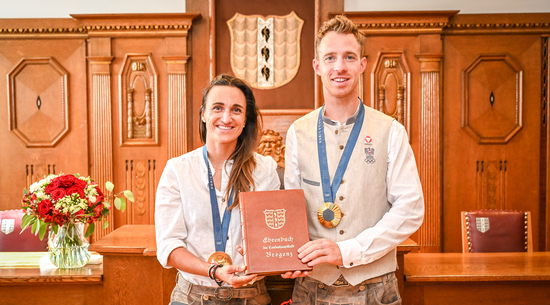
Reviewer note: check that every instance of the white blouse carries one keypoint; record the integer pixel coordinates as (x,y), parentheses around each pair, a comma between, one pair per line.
(183,214)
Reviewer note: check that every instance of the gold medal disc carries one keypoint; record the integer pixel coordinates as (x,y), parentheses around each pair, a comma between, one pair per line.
(220,258)
(329,214)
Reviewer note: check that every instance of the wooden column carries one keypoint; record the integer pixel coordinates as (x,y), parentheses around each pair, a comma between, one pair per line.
(177,103)
(431,145)
(101,131)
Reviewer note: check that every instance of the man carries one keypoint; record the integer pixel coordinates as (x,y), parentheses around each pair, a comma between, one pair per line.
(360,180)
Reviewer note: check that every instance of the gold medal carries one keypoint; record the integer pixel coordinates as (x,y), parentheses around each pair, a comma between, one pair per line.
(220,258)
(329,214)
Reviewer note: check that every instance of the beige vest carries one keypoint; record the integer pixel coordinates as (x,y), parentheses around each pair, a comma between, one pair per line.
(362,194)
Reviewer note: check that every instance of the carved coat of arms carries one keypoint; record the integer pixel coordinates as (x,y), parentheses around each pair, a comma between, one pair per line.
(265,51)
(275,219)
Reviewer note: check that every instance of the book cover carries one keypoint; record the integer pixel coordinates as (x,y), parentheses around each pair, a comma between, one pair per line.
(274,226)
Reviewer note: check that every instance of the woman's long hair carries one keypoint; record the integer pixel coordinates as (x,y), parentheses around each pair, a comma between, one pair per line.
(240,179)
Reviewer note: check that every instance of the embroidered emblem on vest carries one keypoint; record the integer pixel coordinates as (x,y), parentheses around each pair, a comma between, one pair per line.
(370,155)
(482,224)
(275,219)
(368,140)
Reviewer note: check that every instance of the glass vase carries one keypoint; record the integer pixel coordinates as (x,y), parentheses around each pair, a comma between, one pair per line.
(68,248)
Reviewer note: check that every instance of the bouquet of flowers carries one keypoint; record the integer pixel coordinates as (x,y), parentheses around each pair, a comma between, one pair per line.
(61,200)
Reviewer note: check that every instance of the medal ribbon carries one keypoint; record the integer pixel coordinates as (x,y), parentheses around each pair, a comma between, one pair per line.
(329,191)
(221,228)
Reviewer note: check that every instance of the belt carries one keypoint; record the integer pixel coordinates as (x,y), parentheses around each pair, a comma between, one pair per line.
(341,281)
(222,293)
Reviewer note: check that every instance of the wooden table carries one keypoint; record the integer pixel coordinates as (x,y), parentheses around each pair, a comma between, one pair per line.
(132,273)
(477,278)
(23,280)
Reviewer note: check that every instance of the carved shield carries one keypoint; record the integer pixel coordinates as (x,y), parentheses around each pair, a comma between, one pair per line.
(8,225)
(275,219)
(265,51)
(482,224)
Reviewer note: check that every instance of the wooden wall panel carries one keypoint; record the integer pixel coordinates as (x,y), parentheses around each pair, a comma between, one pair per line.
(67,148)
(502,174)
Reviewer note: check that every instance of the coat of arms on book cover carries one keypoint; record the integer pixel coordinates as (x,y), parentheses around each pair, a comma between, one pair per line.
(275,219)
(265,51)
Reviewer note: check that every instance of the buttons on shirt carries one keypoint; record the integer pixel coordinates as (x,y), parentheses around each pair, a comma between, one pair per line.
(336,131)
(341,147)
(223,199)
(341,198)
(351,264)
(341,232)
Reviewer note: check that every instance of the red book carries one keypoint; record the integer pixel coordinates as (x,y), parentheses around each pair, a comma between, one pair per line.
(274,226)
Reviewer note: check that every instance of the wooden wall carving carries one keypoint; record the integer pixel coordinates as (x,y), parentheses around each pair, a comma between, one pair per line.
(139,96)
(492,98)
(491,185)
(392,82)
(177,104)
(38,101)
(141,177)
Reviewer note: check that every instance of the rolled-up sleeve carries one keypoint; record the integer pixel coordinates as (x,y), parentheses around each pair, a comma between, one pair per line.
(169,221)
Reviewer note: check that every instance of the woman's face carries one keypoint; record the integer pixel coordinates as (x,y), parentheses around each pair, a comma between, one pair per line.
(224,114)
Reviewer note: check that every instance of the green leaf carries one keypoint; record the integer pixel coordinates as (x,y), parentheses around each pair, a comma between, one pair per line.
(25,191)
(76,175)
(26,221)
(118,203)
(109,186)
(122,204)
(34,227)
(90,230)
(55,228)
(129,195)
(105,224)
(43,228)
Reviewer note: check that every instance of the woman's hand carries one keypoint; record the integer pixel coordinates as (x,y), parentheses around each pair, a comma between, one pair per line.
(228,275)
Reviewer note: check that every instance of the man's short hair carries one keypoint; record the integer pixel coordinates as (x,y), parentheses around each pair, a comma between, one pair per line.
(339,24)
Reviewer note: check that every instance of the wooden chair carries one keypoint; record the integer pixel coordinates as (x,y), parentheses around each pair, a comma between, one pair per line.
(11,238)
(496,231)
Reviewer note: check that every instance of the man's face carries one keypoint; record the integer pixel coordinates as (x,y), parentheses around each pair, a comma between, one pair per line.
(339,63)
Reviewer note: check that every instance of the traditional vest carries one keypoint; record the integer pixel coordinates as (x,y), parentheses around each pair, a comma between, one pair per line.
(362,193)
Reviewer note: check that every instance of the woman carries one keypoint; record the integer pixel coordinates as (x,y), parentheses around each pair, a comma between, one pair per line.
(197,225)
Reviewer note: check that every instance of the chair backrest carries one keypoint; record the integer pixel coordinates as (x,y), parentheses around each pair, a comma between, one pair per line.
(496,231)
(11,238)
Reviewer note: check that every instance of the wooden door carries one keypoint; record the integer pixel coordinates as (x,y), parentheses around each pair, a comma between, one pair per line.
(491,128)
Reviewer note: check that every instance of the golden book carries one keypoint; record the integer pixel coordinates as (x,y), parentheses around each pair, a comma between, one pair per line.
(274,226)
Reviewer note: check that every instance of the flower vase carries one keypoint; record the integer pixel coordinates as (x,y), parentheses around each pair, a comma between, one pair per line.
(68,248)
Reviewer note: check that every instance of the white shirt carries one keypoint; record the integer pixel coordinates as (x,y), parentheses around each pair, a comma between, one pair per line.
(373,243)
(183,213)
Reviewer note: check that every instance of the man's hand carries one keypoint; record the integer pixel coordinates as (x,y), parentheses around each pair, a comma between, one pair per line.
(320,251)
(316,252)
(228,275)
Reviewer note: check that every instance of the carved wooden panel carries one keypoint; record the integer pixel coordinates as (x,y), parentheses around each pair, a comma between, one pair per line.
(138,100)
(141,178)
(492,99)
(38,101)
(35,172)
(491,181)
(391,80)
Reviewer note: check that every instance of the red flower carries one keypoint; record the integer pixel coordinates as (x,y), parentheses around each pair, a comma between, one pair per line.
(58,194)
(54,184)
(76,190)
(80,213)
(65,180)
(48,218)
(98,209)
(44,207)
(59,219)
(80,183)
(100,196)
